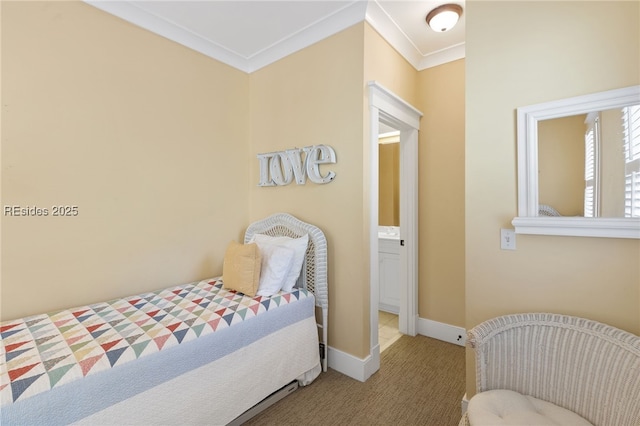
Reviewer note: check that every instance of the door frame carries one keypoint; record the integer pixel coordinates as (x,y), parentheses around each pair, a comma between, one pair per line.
(388,108)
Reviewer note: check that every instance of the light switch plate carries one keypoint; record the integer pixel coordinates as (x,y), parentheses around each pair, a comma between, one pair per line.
(507,239)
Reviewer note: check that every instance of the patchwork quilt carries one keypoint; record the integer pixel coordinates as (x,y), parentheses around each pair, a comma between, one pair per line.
(41,352)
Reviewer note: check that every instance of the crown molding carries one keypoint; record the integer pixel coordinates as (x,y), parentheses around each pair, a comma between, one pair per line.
(443,56)
(389,30)
(331,24)
(353,13)
(393,34)
(129,12)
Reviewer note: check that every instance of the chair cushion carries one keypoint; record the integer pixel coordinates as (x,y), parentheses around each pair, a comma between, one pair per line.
(506,407)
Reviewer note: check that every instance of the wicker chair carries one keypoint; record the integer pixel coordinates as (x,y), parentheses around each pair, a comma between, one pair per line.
(584,366)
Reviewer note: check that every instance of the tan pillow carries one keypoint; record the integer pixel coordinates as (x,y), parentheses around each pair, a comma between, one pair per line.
(241,268)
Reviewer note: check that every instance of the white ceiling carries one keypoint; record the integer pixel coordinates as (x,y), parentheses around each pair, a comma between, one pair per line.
(249,35)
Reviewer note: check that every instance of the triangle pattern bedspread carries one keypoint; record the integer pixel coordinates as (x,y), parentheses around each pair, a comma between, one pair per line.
(48,350)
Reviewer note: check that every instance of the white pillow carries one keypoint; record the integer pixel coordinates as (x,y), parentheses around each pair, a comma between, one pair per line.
(276,264)
(298,245)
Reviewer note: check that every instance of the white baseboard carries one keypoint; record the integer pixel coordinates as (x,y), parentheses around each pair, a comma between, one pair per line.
(362,369)
(356,368)
(464,404)
(442,331)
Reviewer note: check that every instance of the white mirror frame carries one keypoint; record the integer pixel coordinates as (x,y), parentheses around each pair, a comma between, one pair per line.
(528,221)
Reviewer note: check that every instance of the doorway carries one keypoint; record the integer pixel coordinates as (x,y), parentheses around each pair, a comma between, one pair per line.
(388,235)
(387,109)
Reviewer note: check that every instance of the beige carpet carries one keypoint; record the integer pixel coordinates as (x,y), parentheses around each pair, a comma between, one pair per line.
(420,382)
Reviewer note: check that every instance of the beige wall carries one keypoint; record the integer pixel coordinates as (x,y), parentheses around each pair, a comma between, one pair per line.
(441,97)
(159,153)
(561,164)
(137,142)
(314,97)
(517,54)
(439,94)
(389,184)
(319,95)
(386,66)
(149,139)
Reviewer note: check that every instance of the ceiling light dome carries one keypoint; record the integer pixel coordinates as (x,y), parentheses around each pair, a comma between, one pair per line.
(444,17)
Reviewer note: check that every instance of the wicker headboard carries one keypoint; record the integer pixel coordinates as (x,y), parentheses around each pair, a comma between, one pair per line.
(313,276)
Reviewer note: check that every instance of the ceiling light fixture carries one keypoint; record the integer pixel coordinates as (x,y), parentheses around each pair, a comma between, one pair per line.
(444,17)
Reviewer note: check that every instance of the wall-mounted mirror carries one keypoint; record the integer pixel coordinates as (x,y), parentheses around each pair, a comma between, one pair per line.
(388,176)
(579,166)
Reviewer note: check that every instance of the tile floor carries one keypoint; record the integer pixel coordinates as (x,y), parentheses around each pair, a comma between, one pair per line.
(387,329)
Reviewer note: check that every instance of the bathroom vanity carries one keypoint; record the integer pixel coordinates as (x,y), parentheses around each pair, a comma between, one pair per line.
(389,268)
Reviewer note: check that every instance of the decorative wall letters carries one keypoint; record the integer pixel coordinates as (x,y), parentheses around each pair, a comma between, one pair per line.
(280,168)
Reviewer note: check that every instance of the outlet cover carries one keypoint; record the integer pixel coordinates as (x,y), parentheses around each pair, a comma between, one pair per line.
(507,239)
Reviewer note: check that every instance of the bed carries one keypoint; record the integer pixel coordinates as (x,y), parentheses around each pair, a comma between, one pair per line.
(199,353)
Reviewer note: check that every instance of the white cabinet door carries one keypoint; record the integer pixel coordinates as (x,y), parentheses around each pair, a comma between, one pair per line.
(389,275)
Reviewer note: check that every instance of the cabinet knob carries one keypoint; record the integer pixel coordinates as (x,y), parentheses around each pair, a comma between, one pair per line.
(402,243)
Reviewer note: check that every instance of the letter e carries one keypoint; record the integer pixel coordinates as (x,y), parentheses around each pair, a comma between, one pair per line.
(320,154)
